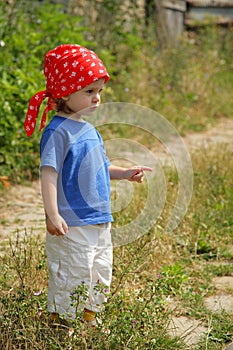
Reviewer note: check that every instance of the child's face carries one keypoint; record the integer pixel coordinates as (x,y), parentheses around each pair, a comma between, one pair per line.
(87,99)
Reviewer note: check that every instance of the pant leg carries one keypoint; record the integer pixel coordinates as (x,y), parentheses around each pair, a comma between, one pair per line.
(69,260)
(84,254)
(102,268)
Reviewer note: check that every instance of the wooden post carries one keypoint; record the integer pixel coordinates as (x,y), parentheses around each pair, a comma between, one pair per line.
(174,14)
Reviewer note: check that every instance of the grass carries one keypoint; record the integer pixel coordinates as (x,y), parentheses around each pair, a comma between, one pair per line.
(147,273)
(189,84)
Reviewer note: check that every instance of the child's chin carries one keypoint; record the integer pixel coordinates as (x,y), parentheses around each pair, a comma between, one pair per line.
(89,111)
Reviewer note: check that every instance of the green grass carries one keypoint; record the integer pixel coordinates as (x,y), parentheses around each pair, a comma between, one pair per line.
(159,266)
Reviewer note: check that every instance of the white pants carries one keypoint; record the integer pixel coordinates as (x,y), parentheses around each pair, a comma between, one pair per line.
(83,255)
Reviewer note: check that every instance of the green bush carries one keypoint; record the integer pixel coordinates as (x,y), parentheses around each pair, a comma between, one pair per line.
(189,84)
(28,31)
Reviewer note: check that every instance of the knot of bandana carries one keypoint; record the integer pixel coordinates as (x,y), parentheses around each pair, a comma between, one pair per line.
(67,69)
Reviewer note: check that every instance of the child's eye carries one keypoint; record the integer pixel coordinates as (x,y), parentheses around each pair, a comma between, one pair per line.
(91,91)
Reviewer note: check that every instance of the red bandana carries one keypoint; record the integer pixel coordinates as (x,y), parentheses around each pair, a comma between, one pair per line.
(67,69)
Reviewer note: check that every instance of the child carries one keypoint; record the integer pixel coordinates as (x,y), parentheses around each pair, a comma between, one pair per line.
(75,180)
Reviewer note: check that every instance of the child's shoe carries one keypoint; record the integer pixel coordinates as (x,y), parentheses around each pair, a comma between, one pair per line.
(89,318)
(55,321)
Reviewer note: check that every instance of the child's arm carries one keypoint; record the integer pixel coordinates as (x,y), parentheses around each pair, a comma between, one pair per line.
(132,174)
(56,225)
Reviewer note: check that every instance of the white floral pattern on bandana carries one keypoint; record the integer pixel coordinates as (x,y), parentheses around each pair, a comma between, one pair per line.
(67,69)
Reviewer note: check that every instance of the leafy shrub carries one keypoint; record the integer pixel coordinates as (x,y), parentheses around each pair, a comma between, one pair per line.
(189,84)
(28,31)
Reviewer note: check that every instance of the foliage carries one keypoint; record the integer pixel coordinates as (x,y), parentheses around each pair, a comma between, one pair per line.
(25,39)
(189,84)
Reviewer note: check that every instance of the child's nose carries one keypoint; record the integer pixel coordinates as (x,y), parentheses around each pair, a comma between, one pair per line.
(96,97)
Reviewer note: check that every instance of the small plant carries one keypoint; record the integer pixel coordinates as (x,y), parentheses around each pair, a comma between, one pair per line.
(79,297)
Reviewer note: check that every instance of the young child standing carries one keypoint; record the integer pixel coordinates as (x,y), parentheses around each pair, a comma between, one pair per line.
(75,180)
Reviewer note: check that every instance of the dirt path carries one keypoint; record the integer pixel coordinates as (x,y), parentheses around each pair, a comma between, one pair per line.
(21,208)
(221,133)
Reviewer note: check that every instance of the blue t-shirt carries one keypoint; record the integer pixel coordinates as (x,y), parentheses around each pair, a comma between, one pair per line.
(76,151)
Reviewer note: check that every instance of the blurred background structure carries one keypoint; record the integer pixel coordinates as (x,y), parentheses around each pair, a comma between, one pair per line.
(176,14)
(185,14)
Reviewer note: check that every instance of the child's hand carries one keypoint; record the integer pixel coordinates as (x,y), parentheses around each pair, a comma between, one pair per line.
(57,226)
(136,173)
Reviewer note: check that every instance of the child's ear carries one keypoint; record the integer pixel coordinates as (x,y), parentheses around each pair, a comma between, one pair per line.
(66,98)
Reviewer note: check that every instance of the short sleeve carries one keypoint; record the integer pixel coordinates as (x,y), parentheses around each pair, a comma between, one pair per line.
(52,149)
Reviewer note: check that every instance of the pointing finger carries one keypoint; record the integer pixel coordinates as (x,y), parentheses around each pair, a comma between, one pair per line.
(143,168)
(146,168)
